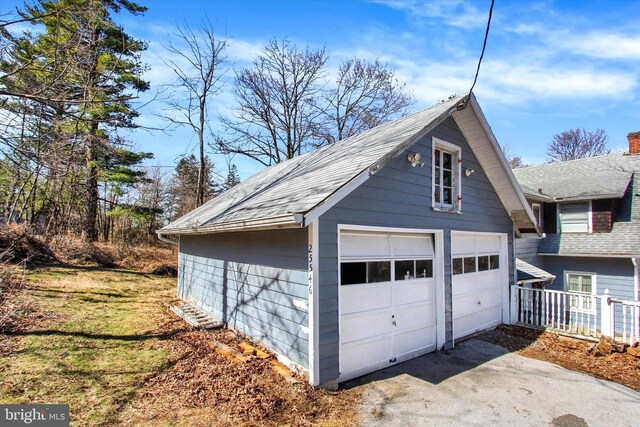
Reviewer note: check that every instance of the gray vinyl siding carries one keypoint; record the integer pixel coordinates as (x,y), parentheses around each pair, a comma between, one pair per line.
(400,196)
(527,250)
(251,280)
(615,274)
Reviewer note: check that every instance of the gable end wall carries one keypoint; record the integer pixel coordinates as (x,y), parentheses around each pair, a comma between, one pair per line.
(400,196)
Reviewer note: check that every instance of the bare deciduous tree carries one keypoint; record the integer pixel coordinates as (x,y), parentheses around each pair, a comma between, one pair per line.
(366,94)
(196,61)
(577,144)
(513,161)
(276,117)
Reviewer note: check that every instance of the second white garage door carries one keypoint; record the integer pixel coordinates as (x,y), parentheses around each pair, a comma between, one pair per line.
(479,266)
(387,300)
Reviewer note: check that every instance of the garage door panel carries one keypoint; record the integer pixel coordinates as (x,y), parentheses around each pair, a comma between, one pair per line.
(365,356)
(422,340)
(415,316)
(412,292)
(366,326)
(477,296)
(489,317)
(366,297)
(465,325)
(465,305)
(369,338)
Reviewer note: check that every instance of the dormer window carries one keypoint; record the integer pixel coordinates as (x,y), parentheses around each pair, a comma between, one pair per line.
(446,176)
(575,217)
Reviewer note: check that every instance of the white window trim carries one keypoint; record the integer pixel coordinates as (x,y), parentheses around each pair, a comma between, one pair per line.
(539,218)
(589,217)
(456,169)
(594,289)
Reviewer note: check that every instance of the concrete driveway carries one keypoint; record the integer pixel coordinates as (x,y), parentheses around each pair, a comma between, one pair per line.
(480,384)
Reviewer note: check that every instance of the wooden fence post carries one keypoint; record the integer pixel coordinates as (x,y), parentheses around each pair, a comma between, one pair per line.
(606,318)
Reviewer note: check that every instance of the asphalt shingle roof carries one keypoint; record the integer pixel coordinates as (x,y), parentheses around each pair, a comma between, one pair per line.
(584,179)
(607,176)
(528,272)
(300,184)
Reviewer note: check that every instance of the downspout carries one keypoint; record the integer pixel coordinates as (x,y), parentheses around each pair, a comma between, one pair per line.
(636,279)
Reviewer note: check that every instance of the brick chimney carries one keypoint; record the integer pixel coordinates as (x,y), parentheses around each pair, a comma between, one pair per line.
(634,142)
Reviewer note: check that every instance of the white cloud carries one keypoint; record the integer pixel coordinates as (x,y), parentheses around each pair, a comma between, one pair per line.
(602,45)
(455,13)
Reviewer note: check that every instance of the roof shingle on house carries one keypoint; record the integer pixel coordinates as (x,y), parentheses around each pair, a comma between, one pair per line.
(613,176)
(528,273)
(282,195)
(600,177)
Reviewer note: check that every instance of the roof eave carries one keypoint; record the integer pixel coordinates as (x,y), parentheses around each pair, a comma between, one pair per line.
(277,222)
(526,221)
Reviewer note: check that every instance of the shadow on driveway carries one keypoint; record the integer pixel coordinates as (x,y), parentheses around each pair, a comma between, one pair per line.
(479,383)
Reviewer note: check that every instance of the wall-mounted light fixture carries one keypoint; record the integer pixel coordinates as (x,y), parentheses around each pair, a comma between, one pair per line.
(468,171)
(415,159)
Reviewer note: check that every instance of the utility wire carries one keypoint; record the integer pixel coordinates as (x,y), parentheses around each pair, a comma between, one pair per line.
(484,46)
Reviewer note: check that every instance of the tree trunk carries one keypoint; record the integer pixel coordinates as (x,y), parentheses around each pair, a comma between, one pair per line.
(89,229)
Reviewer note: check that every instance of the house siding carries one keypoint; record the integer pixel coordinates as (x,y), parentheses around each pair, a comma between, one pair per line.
(255,281)
(615,274)
(527,250)
(399,195)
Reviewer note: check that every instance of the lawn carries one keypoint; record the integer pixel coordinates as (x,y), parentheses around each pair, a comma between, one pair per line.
(94,347)
(103,341)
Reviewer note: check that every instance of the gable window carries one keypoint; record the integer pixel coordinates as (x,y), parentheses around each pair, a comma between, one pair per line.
(446,176)
(575,217)
(583,285)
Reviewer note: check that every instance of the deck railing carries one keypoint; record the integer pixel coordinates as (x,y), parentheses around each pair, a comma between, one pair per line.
(575,313)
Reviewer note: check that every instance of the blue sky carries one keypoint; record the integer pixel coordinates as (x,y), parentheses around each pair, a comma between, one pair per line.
(549,66)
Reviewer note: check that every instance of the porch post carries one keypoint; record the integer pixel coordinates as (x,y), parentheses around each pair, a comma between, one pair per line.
(606,319)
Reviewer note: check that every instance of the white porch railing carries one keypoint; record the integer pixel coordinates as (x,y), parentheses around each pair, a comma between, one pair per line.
(576,313)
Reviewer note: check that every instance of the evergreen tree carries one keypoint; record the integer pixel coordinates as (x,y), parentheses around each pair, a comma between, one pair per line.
(85,68)
(232,178)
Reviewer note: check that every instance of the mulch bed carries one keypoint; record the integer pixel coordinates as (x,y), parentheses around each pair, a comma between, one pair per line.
(570,353)
(250,393)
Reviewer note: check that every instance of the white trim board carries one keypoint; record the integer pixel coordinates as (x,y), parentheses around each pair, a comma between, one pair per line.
(333,199)
(314,301)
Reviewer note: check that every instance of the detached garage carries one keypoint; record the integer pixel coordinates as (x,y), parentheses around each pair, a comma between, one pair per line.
(364,253)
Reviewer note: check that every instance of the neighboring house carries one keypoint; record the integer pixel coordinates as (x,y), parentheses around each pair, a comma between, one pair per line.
(589,211)
(366,252)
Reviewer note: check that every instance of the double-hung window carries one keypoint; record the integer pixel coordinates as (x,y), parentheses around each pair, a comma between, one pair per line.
(446,176)
(583,285)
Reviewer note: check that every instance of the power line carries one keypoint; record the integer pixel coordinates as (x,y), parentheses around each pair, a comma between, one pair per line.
(484,46)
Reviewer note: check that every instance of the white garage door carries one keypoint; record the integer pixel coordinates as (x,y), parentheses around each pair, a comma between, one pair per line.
(478,276)
(387,300)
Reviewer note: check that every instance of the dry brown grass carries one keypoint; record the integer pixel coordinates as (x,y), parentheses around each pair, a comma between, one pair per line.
(19,245)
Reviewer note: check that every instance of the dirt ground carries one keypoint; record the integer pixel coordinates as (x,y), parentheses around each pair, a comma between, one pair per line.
(569,353)
(205,388)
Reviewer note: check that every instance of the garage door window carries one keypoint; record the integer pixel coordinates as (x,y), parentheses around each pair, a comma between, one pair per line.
(465,265)
(413,269)
(355,273)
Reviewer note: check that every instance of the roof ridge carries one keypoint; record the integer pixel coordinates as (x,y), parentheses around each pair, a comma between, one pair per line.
(564,162)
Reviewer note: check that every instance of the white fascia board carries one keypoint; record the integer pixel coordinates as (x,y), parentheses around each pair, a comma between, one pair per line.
(276,222)
(497,151)
(334,198)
